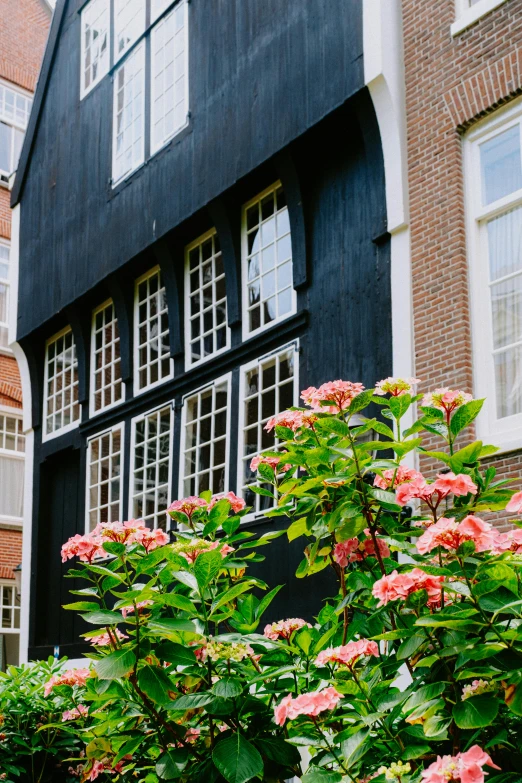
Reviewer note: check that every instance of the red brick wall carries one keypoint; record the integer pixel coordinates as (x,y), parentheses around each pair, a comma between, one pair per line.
(10,552)
(450,83)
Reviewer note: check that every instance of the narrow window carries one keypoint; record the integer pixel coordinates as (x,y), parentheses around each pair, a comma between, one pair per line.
(151,450)
(157,7)
(205,442)
(129,23)
(95,43)
(9,607)
(169,76)
(129,116)
(206,332)
(152,345)
(106,384)
(12,448)
(104,477)
(62,409)
(15,107)
(4,294)
(268,386)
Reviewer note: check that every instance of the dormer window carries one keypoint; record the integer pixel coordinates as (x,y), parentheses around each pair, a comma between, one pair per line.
(129,22)
(129,117)
(95,43)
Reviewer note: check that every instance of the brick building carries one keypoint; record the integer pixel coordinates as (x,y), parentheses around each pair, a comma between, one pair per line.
(23,33)
(463,82)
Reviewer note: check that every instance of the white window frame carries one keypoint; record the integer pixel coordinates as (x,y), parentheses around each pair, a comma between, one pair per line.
(189,364)
(136,326)
(227,378)
(73,424)
(244,269)
(121,428)
(13,123)
(102,71)
(14,413)
(104,408)
(506,432)
(134,422)
(154,148)
(6,282)
(118,55)
(14,629)
(466,14)
(137,51)
(243,370)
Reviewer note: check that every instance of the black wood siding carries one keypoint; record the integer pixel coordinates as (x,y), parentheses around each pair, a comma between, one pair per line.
(262,72)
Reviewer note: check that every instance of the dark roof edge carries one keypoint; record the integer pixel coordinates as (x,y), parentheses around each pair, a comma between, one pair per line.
(39,97)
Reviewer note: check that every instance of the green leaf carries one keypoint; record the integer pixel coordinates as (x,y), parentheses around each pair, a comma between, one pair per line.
(171,765)
(320,775)
(178,602)
(297,528)
(177,654)
(410,646)
(355,747)
(333,424)
(114,547)
(169,627)
(399,405)
(103,618)
(192,701)
(476,712)
(207,567)
(237,759)
(361,401)
(422,695)
(83,606)
(219,512)
(231,594)
(156,684)
(464,415)
(466,456)
(115,665)
(187,579)
(279,750)
(227,688)
(106,572)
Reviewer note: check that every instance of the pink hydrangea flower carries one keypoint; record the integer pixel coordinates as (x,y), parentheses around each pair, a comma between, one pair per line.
(515,504)
(394,586)
(70,677)
(508,542)
(402,475)
(353,550)
(187,505)
(347,654)
(338,393)
(293,420)
(466,767)
(191,550)
(284,629)
(396,386)
(87,548)
(306,704)
(477,687)
(449,535)
(432,494)
(446,399)
(126,610)
(236,504)
(119,532)
(99,767)
(106,639)
(272,462)
(78,712)
(151,539)
(459,485)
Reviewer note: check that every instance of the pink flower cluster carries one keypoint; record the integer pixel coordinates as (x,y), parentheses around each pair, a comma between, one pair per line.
(395,585)
(272,462)
(105,639)
(515,504)
(90,546)
(126,610)
(99,767)
(477,687)
(347,654)
(78,712)
(191,550)
(236,504)
(284,629)
(70,677)
(432,494)
(396,386)
(508,542)
(190,505)
(338,393)
(293,420)
(396,477)
(306,704)
(353,550)
(446,399)
(466,767)
(449,535)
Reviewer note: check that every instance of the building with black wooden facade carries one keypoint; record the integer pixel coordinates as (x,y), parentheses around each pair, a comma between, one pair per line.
(202,230)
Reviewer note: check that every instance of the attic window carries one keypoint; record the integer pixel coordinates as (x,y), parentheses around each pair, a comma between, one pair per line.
(95,43)
(129,21)
(15,107)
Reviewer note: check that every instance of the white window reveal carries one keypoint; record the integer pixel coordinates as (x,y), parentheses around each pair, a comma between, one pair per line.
(268,386)
(4,294)
(152,344)
(205,439)
(169,76)
(494,205)
(106,385)
(12,448)
(470,11)
(129,115)
(206,330)
(15,107)
(95,43)
(268,294)
(9,607)
(129,23)
(61,406)
(151,468)
(104,477)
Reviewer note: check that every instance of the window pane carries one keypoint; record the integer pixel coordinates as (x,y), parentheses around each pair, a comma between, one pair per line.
(205,413)
(62,383)
(129,117)
(169,76)
(267,260)
(11,487)
(105,360)
(104,477)
(129,20)
(501,165)
(506,301)
(95,42)
(152,331)
(505,244)
(150,497)
(508,380)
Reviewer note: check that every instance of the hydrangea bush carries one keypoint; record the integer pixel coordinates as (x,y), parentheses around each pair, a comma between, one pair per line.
(412,672)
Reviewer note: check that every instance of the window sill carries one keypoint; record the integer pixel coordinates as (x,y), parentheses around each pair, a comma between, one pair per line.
(6,351)
(473,14)
(11,524)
